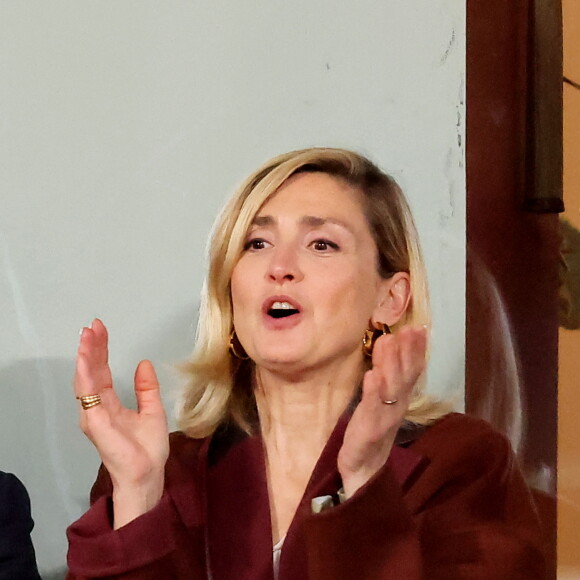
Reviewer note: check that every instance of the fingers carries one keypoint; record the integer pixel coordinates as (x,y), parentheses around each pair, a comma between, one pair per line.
(85,384)
(372,420)
(398,361)
(84,380)
(147,389)
(101,343)
(413,351)
(388,369)
(93,347)
(93,375)
(371,387)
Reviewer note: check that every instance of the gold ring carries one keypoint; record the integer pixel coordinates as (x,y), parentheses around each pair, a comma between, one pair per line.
(389,401)
(88,401)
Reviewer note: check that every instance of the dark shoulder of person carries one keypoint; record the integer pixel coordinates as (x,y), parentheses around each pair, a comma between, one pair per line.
(17,558)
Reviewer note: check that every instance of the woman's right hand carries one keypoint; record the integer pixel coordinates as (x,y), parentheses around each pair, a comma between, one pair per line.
(133,445)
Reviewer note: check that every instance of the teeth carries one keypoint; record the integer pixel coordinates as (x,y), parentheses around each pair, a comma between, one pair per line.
(282,306)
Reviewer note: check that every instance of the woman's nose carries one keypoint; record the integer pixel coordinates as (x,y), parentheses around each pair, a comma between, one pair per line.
(284,266)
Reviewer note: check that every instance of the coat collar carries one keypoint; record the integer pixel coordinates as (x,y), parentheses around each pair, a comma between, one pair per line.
(239,533)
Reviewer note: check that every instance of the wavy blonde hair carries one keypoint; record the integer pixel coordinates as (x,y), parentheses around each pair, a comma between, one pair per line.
(220,387)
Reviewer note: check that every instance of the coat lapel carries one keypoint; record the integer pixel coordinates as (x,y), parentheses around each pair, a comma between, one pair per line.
(325,480)
(238,509)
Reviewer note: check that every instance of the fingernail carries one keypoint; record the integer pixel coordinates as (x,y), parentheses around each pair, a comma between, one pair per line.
(81,331)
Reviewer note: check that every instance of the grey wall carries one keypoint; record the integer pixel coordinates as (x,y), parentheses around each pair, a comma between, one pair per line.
(123,127)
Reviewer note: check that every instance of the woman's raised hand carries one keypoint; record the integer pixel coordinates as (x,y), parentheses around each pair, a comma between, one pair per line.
(398,362)
(133,445)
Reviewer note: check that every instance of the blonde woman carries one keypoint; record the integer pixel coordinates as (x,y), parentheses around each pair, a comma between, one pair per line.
(307,449)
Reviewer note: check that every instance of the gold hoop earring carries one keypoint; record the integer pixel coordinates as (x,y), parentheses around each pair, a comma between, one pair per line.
(370,337)
(236,348)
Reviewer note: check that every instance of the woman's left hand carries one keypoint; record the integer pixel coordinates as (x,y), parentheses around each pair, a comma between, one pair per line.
(398,362)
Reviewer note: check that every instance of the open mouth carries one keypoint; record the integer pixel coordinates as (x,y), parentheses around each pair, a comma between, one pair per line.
(282,310)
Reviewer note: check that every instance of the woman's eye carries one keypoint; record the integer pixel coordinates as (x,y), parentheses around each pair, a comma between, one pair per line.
(255,244)
(324,245)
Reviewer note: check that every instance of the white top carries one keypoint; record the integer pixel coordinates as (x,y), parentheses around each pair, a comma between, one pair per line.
(276,553)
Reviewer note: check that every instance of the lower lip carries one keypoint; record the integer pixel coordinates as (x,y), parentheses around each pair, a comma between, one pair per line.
(282,323)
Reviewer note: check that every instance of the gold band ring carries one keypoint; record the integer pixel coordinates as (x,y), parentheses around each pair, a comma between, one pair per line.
(389,401)
(88,401)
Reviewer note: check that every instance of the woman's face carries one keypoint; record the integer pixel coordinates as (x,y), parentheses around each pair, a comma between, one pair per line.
(307,284)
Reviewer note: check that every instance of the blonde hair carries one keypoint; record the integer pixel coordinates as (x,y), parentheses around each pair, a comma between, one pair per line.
(220,387)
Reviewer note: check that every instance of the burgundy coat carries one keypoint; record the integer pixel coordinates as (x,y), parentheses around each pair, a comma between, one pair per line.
(449,504)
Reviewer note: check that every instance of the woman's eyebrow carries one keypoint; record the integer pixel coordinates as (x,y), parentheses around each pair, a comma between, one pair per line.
(263,220)
(315,221)
(308,220)
(311,220)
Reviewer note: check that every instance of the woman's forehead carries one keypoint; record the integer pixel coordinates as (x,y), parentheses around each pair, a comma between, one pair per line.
(316,198)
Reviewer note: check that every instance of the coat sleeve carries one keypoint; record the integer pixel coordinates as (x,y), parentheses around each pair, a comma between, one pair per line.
(468,516)
(17,558)
(158,544)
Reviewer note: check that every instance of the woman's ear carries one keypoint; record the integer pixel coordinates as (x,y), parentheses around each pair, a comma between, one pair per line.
(394,299)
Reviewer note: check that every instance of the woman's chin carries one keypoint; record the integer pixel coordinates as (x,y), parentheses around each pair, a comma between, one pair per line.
(281,359)
(295,359)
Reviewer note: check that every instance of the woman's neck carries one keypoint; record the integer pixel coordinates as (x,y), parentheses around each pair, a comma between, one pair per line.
(298,414)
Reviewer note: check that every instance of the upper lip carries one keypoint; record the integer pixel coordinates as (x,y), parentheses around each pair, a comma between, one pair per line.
(267,304)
